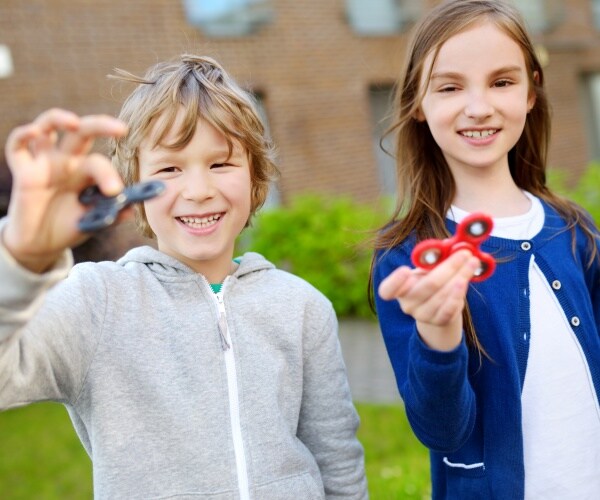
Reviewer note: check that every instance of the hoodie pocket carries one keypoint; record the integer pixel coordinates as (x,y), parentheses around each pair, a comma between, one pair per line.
(303,486)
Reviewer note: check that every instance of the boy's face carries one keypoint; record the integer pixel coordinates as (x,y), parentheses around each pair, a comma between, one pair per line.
(206,203)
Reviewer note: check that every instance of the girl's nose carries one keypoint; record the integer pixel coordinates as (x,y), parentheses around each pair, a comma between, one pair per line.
(478,105)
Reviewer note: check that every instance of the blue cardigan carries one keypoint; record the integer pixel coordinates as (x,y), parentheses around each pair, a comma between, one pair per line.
(467,409)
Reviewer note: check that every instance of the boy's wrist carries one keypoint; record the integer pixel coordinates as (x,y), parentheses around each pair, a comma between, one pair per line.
(36,263)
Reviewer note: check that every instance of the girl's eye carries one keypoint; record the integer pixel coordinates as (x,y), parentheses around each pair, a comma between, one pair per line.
(448,88)
(220,165)
(502,83)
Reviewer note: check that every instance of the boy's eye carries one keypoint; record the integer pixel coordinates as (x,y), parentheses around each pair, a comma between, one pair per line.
(168,170)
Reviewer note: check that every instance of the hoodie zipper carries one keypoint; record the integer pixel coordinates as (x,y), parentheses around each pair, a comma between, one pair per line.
(234,402)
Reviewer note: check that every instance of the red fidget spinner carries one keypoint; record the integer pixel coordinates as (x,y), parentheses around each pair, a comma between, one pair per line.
(470,233)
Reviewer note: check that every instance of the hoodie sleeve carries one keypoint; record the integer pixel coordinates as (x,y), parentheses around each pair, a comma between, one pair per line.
(44,321)
(437,395)
(328,419)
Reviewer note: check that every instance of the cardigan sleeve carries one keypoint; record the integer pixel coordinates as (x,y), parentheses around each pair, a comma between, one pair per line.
(438,398)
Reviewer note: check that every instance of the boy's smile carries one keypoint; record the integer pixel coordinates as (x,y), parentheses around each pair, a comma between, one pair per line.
(477,99)
(207,200)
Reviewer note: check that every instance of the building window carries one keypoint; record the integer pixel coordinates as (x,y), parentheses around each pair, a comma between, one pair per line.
(382,17)
(274,196)
(592,105)
(228,18)
(596,13)
(6,62)
(380,99)
(542,15)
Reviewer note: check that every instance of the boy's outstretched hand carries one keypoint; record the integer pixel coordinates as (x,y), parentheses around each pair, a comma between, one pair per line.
(51,163)
(435,298)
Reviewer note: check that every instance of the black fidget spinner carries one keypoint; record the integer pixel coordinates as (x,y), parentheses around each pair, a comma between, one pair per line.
(105,209)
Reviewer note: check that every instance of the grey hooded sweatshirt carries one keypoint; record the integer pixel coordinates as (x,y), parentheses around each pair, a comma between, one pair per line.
(176,392)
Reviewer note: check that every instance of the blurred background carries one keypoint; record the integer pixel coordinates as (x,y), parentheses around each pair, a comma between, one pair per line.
(322,72)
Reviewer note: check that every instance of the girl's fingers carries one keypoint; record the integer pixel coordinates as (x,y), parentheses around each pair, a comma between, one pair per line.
(446,304)
(395,284)
(435,296)
(461,264)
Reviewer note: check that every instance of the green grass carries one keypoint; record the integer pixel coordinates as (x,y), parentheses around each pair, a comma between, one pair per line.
(397,464)
(41,457)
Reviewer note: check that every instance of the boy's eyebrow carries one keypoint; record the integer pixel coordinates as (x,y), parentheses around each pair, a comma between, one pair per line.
(162,152)
(455,75)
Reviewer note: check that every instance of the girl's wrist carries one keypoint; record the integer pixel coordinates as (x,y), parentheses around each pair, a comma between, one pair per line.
(444,338)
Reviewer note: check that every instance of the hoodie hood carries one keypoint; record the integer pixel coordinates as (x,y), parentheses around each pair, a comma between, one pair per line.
(163,264)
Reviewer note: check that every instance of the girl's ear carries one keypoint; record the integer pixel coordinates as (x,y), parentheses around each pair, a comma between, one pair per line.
(532,96)
(419,115)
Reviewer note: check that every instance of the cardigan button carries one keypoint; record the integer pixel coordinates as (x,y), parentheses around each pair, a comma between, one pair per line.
(556,284)
(575,321)
(526,246)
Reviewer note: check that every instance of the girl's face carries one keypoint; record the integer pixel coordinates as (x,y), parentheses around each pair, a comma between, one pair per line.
(477,99)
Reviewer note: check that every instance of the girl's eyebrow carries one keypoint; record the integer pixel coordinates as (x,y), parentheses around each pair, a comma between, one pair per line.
(454,75)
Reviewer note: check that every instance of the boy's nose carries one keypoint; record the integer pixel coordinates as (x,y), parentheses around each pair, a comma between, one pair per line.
(197,185)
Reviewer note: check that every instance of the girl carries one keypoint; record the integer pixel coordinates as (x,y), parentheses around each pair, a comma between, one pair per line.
(500,378)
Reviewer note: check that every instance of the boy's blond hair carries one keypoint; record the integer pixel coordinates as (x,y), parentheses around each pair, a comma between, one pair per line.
(202,88)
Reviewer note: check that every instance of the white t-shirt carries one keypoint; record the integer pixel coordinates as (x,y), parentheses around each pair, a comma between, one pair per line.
(560,412)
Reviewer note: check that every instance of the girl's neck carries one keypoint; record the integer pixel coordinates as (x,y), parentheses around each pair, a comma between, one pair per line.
(496,197)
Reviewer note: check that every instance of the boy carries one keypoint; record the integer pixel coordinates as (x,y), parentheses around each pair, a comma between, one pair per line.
(186,374)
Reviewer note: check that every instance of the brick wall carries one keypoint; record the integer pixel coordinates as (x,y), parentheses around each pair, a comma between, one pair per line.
(313,71)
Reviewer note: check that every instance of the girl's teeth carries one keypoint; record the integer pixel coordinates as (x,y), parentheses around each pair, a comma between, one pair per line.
(478,134)
(198,222)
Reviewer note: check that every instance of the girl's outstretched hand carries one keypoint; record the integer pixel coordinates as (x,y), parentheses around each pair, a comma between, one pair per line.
(435,299)
(51,163)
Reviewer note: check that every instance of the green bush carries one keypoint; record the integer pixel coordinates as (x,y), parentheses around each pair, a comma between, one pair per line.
(323,239)
(585,192)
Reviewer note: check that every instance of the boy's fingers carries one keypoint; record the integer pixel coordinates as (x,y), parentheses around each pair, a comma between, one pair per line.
(56,119)
(17,143)
(99,168)
(80,142)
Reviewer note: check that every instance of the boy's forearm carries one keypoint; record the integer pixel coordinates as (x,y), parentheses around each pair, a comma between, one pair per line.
(21,288)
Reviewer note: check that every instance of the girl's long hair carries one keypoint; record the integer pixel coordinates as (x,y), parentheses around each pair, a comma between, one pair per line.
(426,187)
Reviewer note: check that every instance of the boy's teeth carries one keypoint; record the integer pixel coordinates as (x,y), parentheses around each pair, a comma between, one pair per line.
(200,221)
(478,134)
